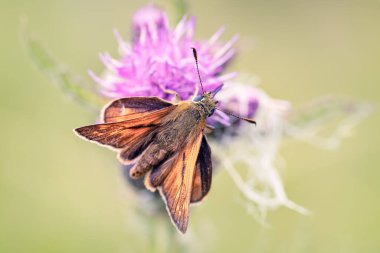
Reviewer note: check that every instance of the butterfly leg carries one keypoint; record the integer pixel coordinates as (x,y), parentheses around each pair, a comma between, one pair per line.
(209,129)
(176,98)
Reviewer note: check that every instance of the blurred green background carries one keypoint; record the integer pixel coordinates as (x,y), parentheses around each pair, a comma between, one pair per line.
(60,194)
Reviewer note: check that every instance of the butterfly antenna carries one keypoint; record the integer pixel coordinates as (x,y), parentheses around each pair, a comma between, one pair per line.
(196,63)
(236,116)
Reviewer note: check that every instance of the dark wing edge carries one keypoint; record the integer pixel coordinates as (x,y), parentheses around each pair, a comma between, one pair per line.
(203,173)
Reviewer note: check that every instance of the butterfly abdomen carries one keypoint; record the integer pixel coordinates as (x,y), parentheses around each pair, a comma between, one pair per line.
(150,158)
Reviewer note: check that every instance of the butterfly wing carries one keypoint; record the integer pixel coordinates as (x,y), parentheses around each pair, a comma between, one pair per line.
(174,179)
(129,126)
(131,108)
(203,173)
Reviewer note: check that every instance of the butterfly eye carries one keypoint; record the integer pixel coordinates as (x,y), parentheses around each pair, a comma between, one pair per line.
(197,98)
(216,102)
(212,112)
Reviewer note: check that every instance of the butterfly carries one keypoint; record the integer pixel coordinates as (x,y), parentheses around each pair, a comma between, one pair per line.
(166,144)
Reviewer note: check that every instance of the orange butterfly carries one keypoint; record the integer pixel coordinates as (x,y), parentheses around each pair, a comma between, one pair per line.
(166,143)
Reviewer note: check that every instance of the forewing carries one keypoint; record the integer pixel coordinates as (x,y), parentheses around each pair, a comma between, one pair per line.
(177,185)
(203,173)
(132,107)
(131,136)
(115,135)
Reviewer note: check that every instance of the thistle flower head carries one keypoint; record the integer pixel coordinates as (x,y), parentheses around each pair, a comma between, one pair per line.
(159,60)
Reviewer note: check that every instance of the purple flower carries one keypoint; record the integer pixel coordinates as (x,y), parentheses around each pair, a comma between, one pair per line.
(160,60)
(240,98)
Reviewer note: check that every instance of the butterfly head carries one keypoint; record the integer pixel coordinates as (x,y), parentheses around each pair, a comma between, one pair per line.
(207,102)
